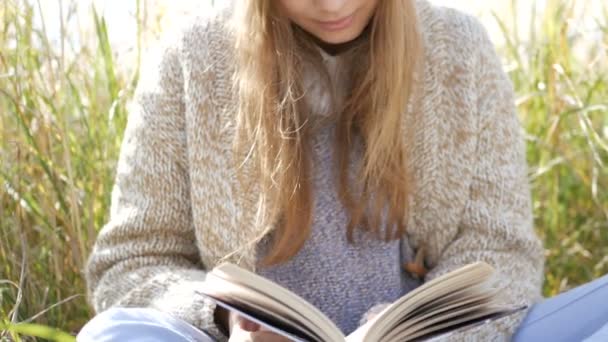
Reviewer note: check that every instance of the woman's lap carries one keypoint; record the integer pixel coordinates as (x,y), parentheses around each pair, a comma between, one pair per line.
(580,314)
(139,325)
(576,315)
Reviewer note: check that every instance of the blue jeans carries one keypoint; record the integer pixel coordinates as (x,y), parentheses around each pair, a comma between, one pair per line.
(139,325)
(580,314)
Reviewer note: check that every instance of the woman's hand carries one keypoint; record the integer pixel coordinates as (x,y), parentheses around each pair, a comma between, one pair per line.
(243,330)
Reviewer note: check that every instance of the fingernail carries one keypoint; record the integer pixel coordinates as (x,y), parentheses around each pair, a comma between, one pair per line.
(248,326)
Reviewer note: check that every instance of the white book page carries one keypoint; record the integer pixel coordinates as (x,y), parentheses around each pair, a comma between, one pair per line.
(247,301)
(465,277)
(259,284)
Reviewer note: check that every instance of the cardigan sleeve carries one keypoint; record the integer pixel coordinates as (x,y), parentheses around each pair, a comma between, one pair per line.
(146,255)
(496,225)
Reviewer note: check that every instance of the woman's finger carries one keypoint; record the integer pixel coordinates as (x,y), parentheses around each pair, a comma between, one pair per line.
(243,322)
(248,325)
(267,336)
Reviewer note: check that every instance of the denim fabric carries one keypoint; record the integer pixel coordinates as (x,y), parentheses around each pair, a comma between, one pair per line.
(577,315)
(139,325)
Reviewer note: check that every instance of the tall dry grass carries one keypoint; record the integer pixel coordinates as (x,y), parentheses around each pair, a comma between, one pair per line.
(560,72)
(63,114)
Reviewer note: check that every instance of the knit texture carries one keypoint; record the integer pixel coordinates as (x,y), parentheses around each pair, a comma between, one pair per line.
(342,280)
(322,271)
(178,209)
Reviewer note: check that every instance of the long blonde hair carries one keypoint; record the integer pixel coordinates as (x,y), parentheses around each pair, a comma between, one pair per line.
(273,131)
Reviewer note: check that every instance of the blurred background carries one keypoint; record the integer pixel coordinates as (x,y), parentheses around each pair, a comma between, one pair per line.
(68,68)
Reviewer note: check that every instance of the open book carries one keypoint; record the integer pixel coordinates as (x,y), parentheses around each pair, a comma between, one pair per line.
(456,300)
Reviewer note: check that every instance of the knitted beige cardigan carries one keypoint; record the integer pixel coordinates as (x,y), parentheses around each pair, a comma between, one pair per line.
(177,208)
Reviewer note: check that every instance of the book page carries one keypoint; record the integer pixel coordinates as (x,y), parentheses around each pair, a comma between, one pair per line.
(276,298)
(446,311)
(246,301)
(449,314)
(460,327)
(476,318)
(451,298)
(459,279)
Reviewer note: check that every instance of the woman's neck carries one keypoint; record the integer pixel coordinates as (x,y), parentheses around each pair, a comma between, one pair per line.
(337,49)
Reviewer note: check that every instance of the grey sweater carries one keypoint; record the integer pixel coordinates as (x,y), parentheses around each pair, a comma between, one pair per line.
(343,280)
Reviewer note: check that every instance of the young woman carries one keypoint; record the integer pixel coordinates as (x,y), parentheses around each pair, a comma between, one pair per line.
(344,149)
